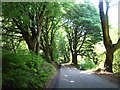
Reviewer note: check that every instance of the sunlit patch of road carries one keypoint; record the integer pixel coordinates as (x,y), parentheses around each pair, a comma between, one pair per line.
(71,77)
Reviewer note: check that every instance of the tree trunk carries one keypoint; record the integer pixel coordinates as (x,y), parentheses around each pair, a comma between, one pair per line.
(31,46)
(65,61)
(75,47)
(109,61)
(110,48)
(74,58)
(37,48)
(31,42)
(29,39)
(51,54)
(47,55)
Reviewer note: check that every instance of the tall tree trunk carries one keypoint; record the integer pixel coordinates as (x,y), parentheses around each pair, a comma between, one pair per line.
(106,38)
(110,48)
(75,47)
(39,17)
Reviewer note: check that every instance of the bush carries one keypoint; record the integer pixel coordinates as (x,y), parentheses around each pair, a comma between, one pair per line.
(88,64)
(25,70)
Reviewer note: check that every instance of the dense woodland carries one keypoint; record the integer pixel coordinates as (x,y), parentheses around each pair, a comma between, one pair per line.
(37,36)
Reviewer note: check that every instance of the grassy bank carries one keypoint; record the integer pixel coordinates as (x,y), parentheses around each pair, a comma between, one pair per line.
(25,70)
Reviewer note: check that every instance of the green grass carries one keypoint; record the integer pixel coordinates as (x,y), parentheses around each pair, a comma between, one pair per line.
(25,70)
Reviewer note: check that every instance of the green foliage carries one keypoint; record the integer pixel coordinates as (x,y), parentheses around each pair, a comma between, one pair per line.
(83,29)
(25,70)
(88,64)
(62,52)
(116,62)
(85,18)
(101,60)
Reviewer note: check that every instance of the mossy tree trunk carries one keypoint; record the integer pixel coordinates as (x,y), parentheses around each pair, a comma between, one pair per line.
(110,48)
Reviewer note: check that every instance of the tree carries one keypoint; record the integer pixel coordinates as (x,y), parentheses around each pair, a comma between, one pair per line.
(62,46)
(110,47)
(35,22)
(82,27)
(49,28)
(11,41)
(27,17)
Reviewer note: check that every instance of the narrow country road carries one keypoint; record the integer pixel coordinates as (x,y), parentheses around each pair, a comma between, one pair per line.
(71,77)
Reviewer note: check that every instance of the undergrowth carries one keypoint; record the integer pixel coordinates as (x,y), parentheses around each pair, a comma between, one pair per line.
(88,64)
(25,70)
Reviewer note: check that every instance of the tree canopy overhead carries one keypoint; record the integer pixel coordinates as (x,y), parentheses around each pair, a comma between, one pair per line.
(27,17)
(83,29)
(54,29)
(38,36)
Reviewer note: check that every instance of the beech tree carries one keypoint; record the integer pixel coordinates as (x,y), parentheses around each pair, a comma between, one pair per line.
(110,47)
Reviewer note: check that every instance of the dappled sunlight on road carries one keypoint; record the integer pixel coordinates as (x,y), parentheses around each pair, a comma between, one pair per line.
(71,77)
(66,75)
(87,72)
(69,81)
(72,81)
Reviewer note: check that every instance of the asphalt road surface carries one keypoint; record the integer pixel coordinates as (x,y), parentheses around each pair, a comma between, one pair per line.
(71,77)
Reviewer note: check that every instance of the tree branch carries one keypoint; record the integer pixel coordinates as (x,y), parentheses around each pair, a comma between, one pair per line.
(117,45)
(24,32)
(104,23)
(82,42)
(5,34)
